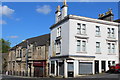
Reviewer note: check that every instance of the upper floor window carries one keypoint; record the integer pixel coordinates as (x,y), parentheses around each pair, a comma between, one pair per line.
(111,32)
(20,53)
(58,31)
(81,46)
(111,47)
(17,53)
(97,47)
(81,28)
(58,47)
(39,50)
(78,45)
(97,30)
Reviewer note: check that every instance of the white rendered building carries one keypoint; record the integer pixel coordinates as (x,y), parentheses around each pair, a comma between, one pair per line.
(81,45)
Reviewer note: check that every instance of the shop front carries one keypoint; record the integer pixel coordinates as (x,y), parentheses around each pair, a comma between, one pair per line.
(39,68)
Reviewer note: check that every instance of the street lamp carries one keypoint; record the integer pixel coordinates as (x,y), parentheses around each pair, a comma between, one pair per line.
(26,57)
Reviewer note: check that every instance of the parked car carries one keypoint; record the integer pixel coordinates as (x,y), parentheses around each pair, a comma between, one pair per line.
(115,68)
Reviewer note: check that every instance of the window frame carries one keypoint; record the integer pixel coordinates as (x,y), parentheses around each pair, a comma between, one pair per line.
(98,50)
(79,46)
(98,30)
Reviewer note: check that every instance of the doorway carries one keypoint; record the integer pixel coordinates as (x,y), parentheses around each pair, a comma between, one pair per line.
(96,66)
(61,68)
(103,66)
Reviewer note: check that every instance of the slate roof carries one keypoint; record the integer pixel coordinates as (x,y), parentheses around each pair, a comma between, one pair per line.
(38,41)
(118,20)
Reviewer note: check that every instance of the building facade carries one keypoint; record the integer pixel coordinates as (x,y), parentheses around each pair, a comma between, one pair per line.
(30,57)
(81,45)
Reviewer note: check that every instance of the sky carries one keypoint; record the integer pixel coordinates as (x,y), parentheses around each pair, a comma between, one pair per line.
(22,20)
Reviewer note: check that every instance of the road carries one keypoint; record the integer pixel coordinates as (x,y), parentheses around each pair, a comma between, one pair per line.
(104,76)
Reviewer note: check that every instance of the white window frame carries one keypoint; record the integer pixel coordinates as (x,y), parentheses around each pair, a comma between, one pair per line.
(78,28)
(109,47)
(84,46)
(109,32)
(78,45)
(113,48)
(98,50)
(112,32)
(81,29)
(98,30)
(58,47)
(59,32)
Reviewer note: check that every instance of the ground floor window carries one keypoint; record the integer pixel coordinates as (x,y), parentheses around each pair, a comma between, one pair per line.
(52,67)
(85,68)
(70,69)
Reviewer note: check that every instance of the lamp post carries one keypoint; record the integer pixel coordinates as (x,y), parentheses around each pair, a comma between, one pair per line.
(27,60)
(26,57)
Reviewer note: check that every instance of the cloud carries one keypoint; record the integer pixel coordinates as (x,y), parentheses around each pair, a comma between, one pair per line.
(12,36)
(17,19)
(6,11)
(3,22)
(45,9)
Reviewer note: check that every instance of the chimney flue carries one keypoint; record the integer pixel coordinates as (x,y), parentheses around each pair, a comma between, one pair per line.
(107,16)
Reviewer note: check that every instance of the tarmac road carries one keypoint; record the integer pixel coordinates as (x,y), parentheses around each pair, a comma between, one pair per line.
(103,76)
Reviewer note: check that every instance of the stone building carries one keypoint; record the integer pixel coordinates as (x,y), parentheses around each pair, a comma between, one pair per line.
(30,57)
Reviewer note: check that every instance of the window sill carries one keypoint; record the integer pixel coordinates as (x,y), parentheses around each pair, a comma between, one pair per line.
(57,53)
(111,40)
(98,53)
(82,34)
(82,52)
(29,56)
(97,35)
(111,37)
(111,54)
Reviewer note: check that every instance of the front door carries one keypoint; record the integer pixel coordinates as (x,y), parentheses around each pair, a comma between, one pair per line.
(61,68)
(70,69)
(36,71)
(103,66)
(96,66)
(39,71)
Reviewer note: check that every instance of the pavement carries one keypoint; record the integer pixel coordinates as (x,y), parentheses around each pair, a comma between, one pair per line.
(102,76)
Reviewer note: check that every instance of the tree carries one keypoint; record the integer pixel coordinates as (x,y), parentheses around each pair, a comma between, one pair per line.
(4,46)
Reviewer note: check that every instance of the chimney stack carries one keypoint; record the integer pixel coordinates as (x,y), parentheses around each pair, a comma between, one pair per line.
(108,16)
(58,13)
(64,9)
